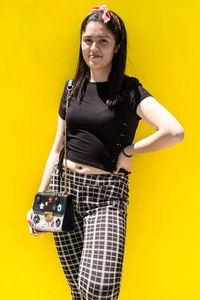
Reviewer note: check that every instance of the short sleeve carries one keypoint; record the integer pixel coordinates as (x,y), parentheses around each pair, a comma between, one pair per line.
(140,94)
(62,107)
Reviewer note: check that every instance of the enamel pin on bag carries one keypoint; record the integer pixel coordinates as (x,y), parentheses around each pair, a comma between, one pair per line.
(54,211)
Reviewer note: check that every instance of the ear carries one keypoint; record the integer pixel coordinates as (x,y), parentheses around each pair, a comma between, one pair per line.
(116,48)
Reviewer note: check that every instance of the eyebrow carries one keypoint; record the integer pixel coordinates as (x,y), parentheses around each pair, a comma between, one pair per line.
(99,36)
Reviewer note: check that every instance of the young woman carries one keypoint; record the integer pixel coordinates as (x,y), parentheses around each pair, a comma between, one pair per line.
(103,115)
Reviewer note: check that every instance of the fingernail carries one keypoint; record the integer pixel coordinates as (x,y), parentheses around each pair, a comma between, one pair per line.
(35,232)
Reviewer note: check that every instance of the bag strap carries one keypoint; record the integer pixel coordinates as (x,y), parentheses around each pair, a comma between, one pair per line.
(69,91)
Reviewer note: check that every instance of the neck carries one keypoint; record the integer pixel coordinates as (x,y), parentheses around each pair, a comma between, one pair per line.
(100,76)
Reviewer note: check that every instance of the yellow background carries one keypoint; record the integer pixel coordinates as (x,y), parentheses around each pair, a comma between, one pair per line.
(39,50)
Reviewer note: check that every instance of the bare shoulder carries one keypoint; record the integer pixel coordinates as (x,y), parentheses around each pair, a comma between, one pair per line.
(157,116)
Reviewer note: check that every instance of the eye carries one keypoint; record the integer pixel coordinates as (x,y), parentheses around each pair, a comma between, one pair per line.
(87,40)
(104,41)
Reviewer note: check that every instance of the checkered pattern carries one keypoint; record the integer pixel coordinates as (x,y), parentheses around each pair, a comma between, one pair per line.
(92,255)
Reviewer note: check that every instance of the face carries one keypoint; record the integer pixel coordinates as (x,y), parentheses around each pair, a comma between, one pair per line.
(98,46)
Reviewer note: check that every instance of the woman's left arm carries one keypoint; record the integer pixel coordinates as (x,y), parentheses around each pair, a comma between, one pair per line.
(168,132)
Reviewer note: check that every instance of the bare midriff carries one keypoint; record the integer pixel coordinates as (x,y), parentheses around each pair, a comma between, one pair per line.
(83,169)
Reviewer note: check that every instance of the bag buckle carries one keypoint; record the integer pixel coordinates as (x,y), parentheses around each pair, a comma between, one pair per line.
(48,216)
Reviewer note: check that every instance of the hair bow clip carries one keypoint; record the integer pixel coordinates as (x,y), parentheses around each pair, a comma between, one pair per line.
(106,15)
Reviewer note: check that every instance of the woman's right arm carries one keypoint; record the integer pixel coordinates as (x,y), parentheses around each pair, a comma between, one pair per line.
(54,155)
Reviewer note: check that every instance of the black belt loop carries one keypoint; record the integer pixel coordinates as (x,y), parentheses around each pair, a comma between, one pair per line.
(122,170)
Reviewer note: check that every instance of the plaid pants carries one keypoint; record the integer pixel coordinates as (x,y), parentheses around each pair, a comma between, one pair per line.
(92,255)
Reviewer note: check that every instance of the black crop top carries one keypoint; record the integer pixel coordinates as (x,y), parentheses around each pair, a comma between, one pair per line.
(96,133)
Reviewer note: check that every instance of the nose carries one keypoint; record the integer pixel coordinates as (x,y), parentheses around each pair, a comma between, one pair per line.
(94,46)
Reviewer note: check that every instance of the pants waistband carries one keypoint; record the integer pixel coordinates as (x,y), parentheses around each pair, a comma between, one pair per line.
(97,177)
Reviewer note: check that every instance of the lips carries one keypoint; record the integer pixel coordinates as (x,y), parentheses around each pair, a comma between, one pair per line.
(94,56)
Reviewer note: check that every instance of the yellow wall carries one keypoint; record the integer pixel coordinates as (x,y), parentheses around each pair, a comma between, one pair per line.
(39,50)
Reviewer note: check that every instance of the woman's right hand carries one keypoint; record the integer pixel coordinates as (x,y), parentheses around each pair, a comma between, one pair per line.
(30,223)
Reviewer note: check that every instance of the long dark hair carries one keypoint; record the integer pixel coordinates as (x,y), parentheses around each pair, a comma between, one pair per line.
(116,76)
